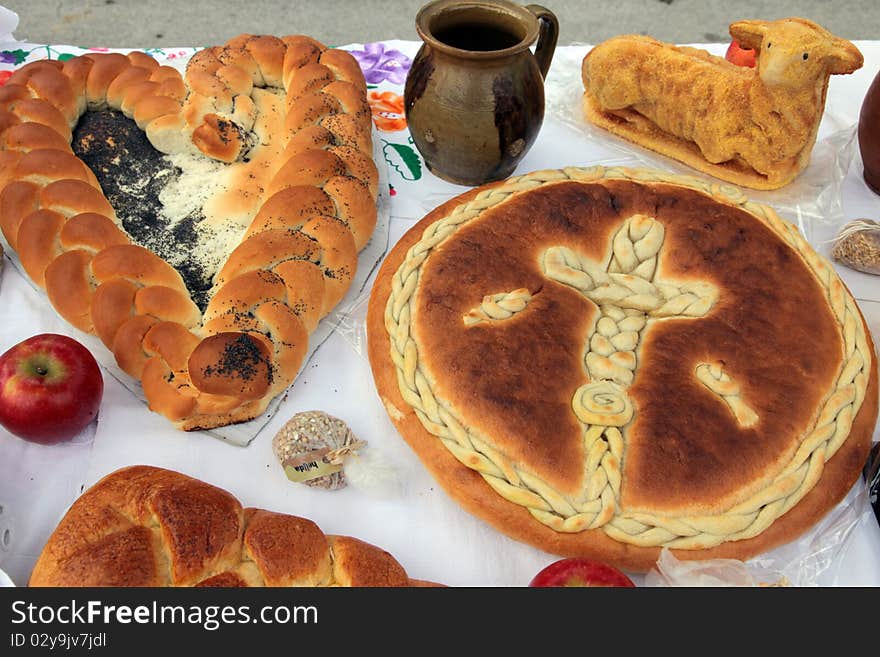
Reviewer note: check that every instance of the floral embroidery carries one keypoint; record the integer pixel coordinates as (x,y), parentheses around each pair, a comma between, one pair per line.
(12,56)
(379,64)
(19,56)
(4,77)
(403,158)
(388,111)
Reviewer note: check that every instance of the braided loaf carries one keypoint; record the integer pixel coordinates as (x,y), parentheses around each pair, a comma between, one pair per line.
(145,526)
(302,183)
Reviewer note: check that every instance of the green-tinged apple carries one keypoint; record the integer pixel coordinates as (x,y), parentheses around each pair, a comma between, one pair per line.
(50,388)
(581,572)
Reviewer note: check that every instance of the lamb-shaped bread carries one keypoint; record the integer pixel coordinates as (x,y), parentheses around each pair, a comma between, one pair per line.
(212,310)
(755,127)
(146,526)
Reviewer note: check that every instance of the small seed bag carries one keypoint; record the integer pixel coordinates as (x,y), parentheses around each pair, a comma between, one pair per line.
(320,451)
(858,246)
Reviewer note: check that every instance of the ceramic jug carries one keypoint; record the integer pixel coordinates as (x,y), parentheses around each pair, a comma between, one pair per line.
(869,134)
(474,96)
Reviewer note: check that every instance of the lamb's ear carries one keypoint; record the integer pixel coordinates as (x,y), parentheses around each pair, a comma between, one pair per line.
(749,34)
(844,57)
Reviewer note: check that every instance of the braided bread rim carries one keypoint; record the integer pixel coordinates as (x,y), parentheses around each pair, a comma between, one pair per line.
(744,520)
(148,94)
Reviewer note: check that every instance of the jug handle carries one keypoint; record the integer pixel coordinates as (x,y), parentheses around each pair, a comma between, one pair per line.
(546,38)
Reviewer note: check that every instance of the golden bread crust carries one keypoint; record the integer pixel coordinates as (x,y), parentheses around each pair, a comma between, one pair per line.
(754,127)
(308,203)
(146,526)
(690,468)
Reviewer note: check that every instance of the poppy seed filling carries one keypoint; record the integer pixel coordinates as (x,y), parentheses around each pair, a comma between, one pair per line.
(134,177)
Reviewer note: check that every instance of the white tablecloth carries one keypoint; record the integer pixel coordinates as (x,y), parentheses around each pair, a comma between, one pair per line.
(419,524)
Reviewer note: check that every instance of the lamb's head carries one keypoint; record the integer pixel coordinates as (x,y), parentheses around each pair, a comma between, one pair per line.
(796,52)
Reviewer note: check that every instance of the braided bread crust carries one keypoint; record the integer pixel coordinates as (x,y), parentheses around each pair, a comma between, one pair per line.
(580,502)
(146,526)
(290,118)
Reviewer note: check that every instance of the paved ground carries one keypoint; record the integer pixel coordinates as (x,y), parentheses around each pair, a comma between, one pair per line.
(162,23)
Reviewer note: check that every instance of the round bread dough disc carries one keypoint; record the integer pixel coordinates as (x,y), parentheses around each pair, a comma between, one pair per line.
(605,362)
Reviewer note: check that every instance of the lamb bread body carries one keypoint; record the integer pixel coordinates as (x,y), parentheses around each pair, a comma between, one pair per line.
(754,127)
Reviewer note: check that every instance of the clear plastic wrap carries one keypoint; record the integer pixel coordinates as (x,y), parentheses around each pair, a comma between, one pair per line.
(245,433)
(812,199)
(811,560)
(872,477)
(6,533)
(353,325)
(813,203)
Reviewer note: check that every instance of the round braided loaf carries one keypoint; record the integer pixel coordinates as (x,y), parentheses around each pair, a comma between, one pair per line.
(592,518)
(305,183)
(146,526)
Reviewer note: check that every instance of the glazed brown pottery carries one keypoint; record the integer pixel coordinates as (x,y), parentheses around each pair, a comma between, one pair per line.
(869,134)
(475,93)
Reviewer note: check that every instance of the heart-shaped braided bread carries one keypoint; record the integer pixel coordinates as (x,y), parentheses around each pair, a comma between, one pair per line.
(290,118)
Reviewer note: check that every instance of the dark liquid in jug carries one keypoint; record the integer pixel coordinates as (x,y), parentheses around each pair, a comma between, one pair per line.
(476,37)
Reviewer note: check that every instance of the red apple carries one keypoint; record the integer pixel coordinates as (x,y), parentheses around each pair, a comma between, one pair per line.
(50,388)
(580,572)
(740,56)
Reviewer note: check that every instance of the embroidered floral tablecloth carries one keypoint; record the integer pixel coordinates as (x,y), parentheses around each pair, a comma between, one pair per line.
(419,524)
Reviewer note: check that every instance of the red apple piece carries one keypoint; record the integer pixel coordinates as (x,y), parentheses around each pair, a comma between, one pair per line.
(581,572)
(740,56)
(50,388)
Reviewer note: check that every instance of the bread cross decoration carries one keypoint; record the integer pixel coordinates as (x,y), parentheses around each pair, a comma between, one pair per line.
(417,375)
(289,118)
(627,296)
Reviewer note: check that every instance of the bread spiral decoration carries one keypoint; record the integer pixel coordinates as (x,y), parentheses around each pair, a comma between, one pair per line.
(306,184)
